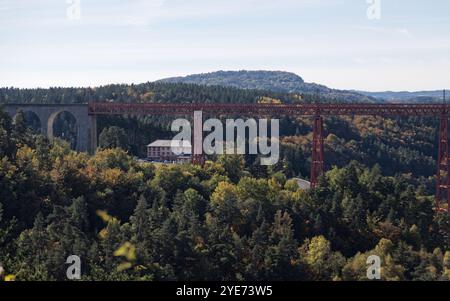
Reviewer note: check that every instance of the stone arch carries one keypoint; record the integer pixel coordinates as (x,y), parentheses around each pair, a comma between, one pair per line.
(33,120)
(86,124)
(73,137)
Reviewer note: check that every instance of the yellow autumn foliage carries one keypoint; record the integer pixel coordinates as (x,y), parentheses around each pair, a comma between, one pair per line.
(126,250)
(10,278)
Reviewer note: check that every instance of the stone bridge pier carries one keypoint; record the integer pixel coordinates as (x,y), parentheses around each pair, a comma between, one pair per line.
(86,124)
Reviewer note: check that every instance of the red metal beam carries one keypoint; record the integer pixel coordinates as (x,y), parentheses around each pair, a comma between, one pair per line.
(317,163)
(268,109)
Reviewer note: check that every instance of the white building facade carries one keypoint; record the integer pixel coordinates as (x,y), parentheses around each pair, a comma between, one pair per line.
(162,151)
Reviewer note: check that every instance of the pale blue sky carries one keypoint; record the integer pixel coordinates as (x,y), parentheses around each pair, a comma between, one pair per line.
(331,42)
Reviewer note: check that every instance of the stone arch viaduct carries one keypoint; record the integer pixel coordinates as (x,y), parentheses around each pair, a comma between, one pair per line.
(86,124)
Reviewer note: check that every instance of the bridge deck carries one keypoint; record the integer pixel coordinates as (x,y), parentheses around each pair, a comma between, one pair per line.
(270,109)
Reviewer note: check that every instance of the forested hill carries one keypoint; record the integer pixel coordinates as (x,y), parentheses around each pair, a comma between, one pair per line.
(147,92)
(262,80)
(287,82)
(277,81)
(406,96)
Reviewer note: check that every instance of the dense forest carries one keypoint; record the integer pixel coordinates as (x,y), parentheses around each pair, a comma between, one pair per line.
(134,221)
(232,219)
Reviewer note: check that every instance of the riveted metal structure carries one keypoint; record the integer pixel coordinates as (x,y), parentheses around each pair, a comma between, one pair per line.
(317,161)
(254,110)
(317,111)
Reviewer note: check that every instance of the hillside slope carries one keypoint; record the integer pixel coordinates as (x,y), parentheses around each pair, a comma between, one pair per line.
(406,96)
(276,81)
